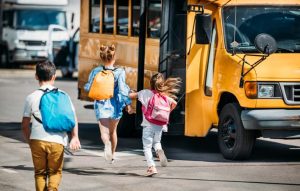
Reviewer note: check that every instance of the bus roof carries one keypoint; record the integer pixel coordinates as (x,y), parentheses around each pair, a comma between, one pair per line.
(37,2)
(251,2)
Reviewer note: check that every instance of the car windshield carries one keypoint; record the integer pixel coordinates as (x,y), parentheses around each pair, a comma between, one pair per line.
(243,23)
(39,19)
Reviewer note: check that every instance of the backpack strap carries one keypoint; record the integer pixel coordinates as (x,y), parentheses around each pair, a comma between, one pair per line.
(38,119)
(113,69)
(45,91)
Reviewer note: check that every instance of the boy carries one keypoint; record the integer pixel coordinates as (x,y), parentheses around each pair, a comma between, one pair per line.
(47,148)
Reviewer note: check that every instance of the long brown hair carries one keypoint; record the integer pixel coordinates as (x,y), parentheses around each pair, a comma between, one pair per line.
(107,52)
(170,87)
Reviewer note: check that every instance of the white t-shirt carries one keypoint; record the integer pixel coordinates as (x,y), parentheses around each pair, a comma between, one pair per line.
(37,130)
(144,97)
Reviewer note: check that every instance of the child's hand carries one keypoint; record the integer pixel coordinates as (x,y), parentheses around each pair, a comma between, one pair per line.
(75,144)
(129,109)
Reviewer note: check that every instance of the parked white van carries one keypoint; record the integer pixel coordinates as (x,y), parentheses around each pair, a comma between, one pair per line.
(25,35)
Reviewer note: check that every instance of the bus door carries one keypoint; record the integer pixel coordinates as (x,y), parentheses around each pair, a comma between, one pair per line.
(201,45)
(172,54)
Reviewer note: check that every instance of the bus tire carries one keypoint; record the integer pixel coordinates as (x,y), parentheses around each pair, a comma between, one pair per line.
(126,126)
(234,141)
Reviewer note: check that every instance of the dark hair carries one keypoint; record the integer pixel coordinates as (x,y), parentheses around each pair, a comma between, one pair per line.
(169,87)
(45,71)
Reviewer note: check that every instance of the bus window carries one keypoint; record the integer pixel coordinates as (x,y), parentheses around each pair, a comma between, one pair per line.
(108,10)
(135,17)
(211,61)
(122,28)
(94,16)
(154,18)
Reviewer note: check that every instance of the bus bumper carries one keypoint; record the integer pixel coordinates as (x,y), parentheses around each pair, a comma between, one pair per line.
(271,119)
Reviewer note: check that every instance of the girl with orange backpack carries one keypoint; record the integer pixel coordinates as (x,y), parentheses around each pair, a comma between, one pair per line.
(106,85)
(157,104)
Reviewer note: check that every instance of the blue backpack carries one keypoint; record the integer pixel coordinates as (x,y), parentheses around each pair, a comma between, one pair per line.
(56,110)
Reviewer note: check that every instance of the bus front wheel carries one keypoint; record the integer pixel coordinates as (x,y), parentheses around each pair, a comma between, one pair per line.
(234,141)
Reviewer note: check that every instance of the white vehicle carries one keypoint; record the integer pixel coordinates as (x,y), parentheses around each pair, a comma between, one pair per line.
(25,32)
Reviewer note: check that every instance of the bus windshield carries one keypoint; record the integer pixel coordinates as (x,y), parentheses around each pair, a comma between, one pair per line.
(243,23)
(39,19)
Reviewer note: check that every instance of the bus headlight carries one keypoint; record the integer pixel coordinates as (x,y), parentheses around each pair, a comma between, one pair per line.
(20,44)
(266,90)
(262,90)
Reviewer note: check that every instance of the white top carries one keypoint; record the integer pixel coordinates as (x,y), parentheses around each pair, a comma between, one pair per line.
(38,132)
(144,97)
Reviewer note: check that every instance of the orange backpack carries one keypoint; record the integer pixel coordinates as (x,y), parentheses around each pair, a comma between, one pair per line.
(103,85)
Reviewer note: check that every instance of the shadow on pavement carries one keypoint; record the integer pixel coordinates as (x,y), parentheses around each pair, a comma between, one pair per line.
(176,147)
(101,171)
(66,79)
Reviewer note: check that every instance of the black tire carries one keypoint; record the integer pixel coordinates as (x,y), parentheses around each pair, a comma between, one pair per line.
(126,126)
(234,141)
(4,58)
(67,74)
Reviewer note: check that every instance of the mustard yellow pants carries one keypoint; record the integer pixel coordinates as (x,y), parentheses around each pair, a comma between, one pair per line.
(47,160)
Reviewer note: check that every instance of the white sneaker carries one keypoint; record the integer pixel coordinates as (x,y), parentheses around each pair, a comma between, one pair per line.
(162,157)
(107,152)
(112,161)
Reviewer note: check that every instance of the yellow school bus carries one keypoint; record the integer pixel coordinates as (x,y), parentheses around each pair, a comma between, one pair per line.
(239,61)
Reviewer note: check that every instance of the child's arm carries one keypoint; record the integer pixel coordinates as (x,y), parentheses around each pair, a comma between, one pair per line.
(26,128)
(92,75)
(173,104)
(25,125)
(75,143)
(133,95)
(123,88)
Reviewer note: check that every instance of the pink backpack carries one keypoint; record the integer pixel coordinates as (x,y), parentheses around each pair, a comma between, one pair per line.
(158,109)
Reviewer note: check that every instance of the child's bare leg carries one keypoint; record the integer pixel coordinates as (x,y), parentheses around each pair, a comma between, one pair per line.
(104,129)
(113,135)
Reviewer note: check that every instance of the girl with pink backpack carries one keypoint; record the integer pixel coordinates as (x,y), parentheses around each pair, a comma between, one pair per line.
(157,104)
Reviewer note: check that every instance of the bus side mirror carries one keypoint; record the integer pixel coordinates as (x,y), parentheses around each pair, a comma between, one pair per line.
(203,28)
(265,44)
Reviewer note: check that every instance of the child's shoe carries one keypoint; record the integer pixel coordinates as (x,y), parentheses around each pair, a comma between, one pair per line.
(162,157)
(107,151)
(151,171)
(112,161)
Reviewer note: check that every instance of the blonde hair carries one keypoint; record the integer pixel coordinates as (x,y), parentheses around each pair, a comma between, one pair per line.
(170,87)
(107,52)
